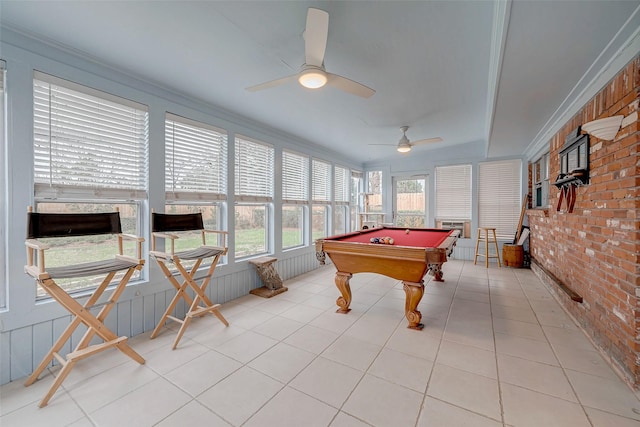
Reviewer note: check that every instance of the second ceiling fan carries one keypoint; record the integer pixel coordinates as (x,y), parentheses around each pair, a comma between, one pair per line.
(404,145)
(312,74)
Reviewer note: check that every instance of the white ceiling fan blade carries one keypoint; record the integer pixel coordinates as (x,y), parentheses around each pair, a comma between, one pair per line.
(427,141)
(272,83)
(385,145)
(349,86)
(315,36)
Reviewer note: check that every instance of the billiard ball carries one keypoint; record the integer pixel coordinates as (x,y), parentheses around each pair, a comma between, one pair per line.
(391,240)
(407,231)
(372,240)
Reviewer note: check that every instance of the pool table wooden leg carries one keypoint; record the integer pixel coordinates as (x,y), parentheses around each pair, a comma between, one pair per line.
(436,271)
(414,292)
(342,282)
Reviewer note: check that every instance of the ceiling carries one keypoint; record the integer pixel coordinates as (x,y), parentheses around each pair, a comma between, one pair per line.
(479,72)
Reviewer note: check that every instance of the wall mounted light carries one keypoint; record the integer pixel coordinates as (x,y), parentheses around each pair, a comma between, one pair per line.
(606,128)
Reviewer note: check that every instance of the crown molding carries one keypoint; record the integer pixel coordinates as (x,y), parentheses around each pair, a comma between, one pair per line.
(622,48)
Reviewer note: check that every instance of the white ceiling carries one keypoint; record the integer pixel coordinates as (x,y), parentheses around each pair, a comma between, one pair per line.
(480,72)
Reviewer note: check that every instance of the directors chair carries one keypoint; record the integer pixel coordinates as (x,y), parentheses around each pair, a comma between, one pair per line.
(172,227)
(59,225)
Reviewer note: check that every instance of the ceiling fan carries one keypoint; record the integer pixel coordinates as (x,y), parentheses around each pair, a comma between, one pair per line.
(312,74)
(404,145)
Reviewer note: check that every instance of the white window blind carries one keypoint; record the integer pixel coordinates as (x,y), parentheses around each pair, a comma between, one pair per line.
(321,181)
(499,187)
(195,160)
(453,192)
(295,178)
(341,184)
(87,142)
(254,168)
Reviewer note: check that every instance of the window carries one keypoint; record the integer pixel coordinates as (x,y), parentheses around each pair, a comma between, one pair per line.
(3,225)
(254,169)
(321,195)
(341,199)
(90,155)
(319,221)
(574,160)
(195,171)
(453,197)
(356,190)
(295,198)
(540,169)
(195,161)
(499,204)
(373,198)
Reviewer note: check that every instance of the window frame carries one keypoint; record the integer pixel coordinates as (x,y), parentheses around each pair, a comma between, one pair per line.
(449,179)
(321,194)
(122,181)
(190,140)
(196,139)
(499,196)
(341,198)
(103,108)
(374,189)
(295,193)
(357,186)
(540,181)
(248,165)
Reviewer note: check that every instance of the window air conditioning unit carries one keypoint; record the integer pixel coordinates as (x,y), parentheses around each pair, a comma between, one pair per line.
(463,226)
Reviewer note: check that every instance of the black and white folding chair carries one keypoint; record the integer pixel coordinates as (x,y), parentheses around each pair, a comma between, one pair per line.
(171,227)
(60,225)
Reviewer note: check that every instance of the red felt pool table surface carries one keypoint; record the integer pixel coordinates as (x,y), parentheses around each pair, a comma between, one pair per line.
(423,237)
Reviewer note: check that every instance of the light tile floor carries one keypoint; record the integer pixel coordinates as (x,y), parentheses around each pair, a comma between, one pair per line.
(496,350)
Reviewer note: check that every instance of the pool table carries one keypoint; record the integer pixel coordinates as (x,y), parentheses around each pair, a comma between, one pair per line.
(414,252)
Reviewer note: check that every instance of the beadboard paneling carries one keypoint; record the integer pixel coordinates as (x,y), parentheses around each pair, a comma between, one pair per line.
(21,350)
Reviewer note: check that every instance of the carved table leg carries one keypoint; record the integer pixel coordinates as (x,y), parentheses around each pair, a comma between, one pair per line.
(414,292)
(436,271)
(342,282)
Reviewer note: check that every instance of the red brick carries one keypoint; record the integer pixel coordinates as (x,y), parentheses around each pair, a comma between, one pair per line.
(604,222)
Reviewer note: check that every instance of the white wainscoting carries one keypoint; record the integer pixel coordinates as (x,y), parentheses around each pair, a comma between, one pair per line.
(21,350)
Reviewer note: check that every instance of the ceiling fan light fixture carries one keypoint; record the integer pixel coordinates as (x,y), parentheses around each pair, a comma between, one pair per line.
(313,79)
(404,147)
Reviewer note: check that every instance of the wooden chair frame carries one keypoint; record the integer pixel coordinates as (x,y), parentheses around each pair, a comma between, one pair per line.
(165,226)
(41,225)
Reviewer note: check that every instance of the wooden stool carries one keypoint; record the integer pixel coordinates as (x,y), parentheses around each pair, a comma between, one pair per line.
(486,254)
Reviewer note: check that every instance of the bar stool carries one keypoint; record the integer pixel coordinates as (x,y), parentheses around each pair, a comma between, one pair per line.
(486,254)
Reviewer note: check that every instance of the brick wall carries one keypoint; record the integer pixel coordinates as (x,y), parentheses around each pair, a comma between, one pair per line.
(595,250)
